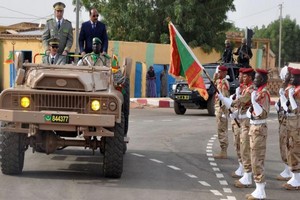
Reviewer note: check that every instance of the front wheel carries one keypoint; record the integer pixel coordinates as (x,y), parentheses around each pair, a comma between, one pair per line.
(12,151)
(113,152)
(178,108)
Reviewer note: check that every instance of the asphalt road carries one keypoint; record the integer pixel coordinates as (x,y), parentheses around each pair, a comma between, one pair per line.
(169,157)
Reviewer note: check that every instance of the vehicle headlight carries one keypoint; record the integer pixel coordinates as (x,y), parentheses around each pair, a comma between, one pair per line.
(25,102)
(95,105)
(173,87)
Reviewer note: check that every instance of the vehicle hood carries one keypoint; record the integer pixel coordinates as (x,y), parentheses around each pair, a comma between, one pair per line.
(68,79)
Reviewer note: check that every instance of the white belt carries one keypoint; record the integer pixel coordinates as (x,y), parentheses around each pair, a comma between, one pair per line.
(291,115)
(258,121)
(244,116)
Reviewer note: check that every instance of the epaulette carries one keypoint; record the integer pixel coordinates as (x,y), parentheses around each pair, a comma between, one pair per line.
(67,20)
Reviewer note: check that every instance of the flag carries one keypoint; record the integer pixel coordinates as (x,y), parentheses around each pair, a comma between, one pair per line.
(115,63)
(9,59)
(184,63)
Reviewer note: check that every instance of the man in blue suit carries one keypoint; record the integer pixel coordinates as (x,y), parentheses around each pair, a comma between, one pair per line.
(89,30)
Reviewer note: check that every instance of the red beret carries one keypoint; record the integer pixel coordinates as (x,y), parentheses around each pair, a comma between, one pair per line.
(262,71)
(222,68)
(241,70)
(248,70)
(295,71)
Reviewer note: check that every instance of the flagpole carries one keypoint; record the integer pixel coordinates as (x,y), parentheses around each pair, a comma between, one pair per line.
(197,61)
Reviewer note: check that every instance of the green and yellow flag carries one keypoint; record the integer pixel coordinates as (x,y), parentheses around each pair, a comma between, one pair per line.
(9,59)
(184,62)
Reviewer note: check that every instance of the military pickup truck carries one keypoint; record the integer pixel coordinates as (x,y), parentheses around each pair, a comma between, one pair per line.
(184,98)
(52,107)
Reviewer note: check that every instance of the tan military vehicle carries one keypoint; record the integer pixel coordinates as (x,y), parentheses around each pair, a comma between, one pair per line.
(52,107)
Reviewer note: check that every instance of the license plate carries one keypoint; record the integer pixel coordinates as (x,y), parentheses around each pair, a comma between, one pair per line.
(55,118)
(183,97)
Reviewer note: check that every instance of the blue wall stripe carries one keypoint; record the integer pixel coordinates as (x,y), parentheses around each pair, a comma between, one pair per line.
(138,80)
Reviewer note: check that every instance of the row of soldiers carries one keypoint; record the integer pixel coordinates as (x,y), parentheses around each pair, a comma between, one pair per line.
(248,109)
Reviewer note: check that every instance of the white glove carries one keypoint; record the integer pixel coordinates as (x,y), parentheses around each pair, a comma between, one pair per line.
(220,96)
(253,96)
(248,113)
(233,115)
(291,91)
(256,107)
(291,98)
(281,91)
(237,92)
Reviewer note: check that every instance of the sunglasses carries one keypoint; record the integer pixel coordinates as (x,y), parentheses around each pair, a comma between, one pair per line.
(95,15)
(54,46)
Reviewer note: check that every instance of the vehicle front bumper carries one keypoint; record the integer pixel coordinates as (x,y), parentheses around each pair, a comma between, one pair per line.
(75,119)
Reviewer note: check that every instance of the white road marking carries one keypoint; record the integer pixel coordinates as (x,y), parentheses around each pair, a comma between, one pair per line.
(166,120)
(173,167)
(138,155)
(213,164)
(223,182)
(209,154)
(219,175)
(211,159)
(208,150)
(211,141)
(216,192)
(191,175)
(204,183)
(148,121)
(229,198)
(216,169)
(157,161)
(227,190)
(209,144)
(209,147)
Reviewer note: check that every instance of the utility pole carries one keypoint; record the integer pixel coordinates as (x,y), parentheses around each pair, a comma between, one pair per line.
(280,28)
(77,27)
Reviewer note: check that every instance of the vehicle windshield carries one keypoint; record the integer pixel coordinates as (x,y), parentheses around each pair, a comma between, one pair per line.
(210,70)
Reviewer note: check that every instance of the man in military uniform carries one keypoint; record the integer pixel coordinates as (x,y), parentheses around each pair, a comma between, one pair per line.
(221,112)
(53,58)
(258,113)
(60,28)
(227,54)
(281,108)
(95,58)
(244,54)
(293,130)
(236,129)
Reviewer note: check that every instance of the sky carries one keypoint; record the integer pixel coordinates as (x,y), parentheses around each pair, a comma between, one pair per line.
(249,13)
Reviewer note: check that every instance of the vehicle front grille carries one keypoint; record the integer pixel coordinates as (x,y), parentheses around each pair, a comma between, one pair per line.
(61,102)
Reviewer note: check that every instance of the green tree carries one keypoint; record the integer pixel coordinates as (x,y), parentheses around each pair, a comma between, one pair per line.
(200,22)
(290,39)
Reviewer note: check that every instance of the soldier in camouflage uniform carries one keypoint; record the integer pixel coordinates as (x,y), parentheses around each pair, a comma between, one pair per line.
(235,128)
(281,108)
(221,112)
(60,28)
(293,130)
(95,58)
(258,113)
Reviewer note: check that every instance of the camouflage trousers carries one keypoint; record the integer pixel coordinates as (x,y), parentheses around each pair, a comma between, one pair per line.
(293,138)
(258,140)
(245,145)
(236,139)
(283,138)
(222,125)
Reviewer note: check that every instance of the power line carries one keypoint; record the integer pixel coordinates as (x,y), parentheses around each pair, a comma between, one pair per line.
(19,12)
(257,13)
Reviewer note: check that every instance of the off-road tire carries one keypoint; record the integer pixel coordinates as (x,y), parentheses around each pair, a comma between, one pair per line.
(178,108)
(12,151)
(126,104)
(113,152)
(211,105)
